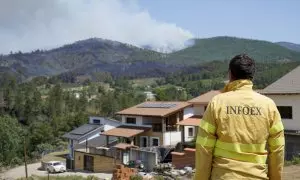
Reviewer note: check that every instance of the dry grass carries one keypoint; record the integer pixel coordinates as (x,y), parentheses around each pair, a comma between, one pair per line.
(145,81)
(55,156)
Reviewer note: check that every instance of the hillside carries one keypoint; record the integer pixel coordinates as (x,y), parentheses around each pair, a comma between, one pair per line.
(291,46)
(221,48)
(91,57)
(79,55)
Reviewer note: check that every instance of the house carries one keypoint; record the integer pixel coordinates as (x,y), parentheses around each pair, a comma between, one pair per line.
(197,110)
(151,124)
(149,96)
(88,135)
(285,92)
(189,126)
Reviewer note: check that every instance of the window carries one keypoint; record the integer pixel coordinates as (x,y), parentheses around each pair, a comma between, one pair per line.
(156,127)
(286,112)
(130,120)
(96,121)
(57,164)
(191,131)
(144,141)
(155,141)
(171,124)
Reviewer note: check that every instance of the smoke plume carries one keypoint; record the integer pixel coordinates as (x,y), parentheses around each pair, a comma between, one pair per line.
(27,25)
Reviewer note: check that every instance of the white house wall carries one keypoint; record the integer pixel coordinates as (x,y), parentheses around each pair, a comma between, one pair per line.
(108,124)
(188,112)
(289,100)
(91,118)
(199,109)
(174,139)
(186,133)
(151,120)
(139,119)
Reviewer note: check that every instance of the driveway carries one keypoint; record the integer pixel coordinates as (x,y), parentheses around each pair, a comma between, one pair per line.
(19,172)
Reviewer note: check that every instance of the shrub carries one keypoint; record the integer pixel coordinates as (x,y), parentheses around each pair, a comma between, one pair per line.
(16,161)
(158,177)
(296,160)
(136,177)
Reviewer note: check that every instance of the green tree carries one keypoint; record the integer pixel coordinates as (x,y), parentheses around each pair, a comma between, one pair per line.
(83,102)
(41,132)
(56,102)
(108,105)
(11,140)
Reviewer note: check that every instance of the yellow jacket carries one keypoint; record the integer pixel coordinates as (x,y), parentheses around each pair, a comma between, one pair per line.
(241,136)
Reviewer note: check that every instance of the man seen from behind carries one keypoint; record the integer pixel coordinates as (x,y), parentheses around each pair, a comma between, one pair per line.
(239,131)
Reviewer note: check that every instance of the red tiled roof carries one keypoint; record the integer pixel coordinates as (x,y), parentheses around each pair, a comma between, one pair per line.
(125,131)
(205,98)
(151,111)
(192,121)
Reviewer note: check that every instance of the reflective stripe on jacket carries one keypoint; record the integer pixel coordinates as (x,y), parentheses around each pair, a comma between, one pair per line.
(240,136)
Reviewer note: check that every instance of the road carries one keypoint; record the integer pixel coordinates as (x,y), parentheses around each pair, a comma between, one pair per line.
(19,172)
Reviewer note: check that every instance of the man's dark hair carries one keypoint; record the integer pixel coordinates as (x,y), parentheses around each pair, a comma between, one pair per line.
(242,67)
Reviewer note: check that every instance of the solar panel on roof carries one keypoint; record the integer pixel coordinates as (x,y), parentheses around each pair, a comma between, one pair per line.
(157,105)
(84,129)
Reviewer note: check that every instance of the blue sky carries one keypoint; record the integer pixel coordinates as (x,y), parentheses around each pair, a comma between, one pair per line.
(165,25)
(272,20)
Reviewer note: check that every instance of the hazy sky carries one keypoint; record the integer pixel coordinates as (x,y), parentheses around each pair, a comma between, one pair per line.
(164,24)
(272,20)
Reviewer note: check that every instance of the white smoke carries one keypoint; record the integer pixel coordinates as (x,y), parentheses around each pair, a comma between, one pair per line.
(27,25)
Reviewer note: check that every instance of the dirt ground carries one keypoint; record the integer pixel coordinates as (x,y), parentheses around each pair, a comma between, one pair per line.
(290,173)
(33,170)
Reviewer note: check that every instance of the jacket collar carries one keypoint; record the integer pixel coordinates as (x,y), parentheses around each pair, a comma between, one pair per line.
(242,84)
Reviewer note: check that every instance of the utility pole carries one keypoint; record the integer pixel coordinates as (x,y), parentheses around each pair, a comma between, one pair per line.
(25,158)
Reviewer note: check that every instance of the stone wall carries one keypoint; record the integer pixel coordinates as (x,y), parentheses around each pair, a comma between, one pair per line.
(123,173)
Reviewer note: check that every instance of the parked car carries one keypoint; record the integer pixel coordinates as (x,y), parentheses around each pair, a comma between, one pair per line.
(56,167)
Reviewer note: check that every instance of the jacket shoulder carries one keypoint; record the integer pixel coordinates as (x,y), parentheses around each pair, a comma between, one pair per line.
(229,95)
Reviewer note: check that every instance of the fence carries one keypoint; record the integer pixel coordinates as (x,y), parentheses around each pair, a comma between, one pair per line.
(148,158)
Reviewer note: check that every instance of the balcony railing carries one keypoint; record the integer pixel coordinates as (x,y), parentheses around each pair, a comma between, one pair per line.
(171,128)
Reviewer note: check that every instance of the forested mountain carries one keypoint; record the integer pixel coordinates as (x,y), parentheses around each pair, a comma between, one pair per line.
(222,48)
(291,46)
(91,57)
(82,55)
